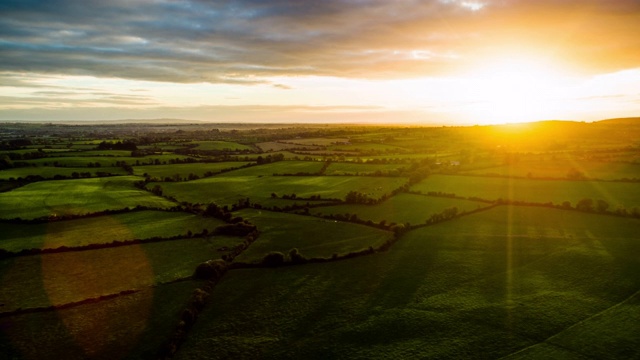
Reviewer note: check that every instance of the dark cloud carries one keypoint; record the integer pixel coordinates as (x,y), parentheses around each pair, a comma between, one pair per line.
(245,41)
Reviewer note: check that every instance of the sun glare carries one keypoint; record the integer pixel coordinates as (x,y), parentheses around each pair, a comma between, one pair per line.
(515,90)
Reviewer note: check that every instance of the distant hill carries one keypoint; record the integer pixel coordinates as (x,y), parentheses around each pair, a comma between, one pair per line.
(621,121)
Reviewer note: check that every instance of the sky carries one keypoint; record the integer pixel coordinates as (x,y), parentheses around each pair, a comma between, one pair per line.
(381,61)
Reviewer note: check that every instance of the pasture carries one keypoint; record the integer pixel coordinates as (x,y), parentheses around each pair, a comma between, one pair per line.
(81,196)
(103,229)
(279,167)
(60,278)
(105,161)
(220,145)
(49,172)
(617,194)
(227,189)
(449,290)
(132,326)
(199,169)
(561,169)
(313,237)
(400,209)
(341,168)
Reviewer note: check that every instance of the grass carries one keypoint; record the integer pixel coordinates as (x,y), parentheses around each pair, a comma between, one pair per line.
(80,196)
(315,141)
(105,161)
(311,236)
(616,194)
(402,208)
(133,326)
(228,189)
(277,146)
(103,229)
(369,147)
(60,278)
(492,283)
(337,168)
(184,170)
(280,167)
(220,145)
(48,172)
(560,169)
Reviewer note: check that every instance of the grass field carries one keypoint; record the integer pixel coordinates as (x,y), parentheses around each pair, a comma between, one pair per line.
(80,196)
(316,141)
(616,194)
(133,326)
(277,146)
(492,283)
(184,170)
(104,161)
(401,208)
(557,169)
(368,147)
(220,145)
(280,167)
(48,172)
(337,168)
(313,237)
(103,229)
(53,279)
(228,189)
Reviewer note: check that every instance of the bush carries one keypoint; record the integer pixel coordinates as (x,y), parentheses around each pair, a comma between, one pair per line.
(273,259)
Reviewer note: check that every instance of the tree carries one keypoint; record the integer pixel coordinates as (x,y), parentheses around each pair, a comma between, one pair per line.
(295,256)
(157,190)
(602,206)
(585,205)
(273,259)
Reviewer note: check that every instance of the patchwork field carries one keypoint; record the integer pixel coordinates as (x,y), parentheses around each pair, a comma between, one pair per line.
(313,237)
(95,330)
(103,229)
(448,290)
(400,209)
(617,194)
(60,278)
(79,196)
(563,169)
(49,172)
(228,188)
(199,169)
(337,168)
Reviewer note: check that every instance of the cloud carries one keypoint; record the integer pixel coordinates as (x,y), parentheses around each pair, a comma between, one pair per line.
(247,41)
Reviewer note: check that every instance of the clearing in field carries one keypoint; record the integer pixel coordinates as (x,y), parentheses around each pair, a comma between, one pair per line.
(492,283)
(313,237)
(81,196)
(337,168)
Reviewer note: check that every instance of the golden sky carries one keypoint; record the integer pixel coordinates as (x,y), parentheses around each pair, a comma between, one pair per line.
(403,61)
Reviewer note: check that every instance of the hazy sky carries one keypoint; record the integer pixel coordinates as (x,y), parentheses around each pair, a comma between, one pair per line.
(438,61)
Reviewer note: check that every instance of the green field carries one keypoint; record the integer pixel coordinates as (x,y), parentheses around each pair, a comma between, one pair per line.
(368,147)
(560,169)
(228,189)
(541,191)
(313,237)
(60,278)
(48,172)
(162,171)
(103,229)
(80,196)
(337,168)
(220,145)
(401,208)
(316,141)
(280,167)
(105,161)
(492,283)
(132,326)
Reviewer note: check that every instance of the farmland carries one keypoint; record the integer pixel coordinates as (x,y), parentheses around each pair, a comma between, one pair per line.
(144,241)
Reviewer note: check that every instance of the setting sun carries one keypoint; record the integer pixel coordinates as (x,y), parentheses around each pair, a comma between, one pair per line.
(516,90)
